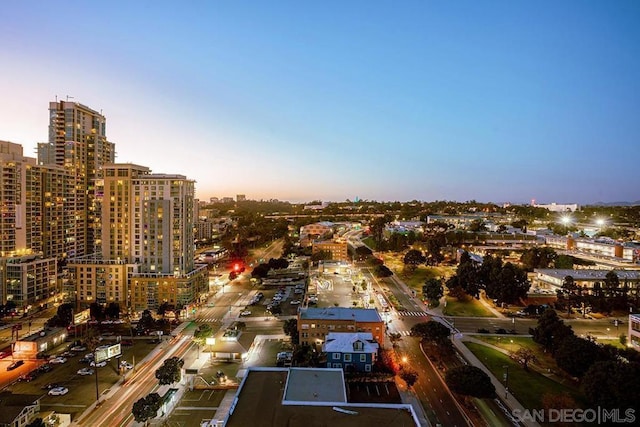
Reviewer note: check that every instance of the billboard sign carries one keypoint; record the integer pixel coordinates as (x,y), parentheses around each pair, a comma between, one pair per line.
(106,352)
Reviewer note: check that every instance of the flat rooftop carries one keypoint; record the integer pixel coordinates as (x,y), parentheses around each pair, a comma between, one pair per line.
(588,274)
(341,313)
(260,402)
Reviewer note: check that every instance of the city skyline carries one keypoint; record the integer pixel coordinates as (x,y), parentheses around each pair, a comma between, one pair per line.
(493,102)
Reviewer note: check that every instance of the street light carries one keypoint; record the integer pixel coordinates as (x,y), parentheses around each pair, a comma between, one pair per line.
(506,381)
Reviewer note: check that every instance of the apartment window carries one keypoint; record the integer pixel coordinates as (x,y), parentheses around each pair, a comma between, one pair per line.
(337,365)
(347,358)
(367,368)
(336,356)
(363,357)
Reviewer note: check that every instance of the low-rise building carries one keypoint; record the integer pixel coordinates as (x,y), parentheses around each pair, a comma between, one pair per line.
(352,352)
(314,324)
(338,248)
(18,410)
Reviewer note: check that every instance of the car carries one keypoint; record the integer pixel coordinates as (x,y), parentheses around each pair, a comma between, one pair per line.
(126,365)
(299,291)
(85,360)
(89,356)
(245,313)
(260,295)
(45,368)
(28,377)
(15,365)
(99,364)
(78,348)
(127,343)
(4,354)
(49,386)
(85,371)
(58,391)
(295,302)
(58,360)
(68,354)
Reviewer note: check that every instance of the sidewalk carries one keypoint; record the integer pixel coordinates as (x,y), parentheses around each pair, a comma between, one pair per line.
(509,401)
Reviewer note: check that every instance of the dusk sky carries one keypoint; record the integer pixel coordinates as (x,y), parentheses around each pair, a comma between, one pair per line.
(332,100)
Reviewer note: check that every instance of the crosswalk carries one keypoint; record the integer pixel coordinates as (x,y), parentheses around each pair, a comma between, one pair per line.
(412,313)
(209,319)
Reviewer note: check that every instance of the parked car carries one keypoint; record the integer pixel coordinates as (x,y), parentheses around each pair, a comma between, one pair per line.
(49,386)
(15,365)
(78,348)
(245,313)
(99,364)
(4,354)
(45,368)
(28,377)
(58,391)
(58,360)
(295,302)
(126,365)
(85,371)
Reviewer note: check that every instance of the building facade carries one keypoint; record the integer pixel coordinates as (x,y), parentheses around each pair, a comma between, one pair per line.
(78,143)
(338,248)
(314,324)
(352,352)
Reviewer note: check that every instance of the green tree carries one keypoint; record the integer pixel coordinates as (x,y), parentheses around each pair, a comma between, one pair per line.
(470,381)
(432,331)
(201,334)
(612,384)
(432,290)
(290,328)
(413,258)
(170,371)
(575,355)
(363,252)
(409,376)
(550,331)
(146,408)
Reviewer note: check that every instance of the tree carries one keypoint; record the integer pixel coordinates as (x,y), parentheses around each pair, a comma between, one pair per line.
(612,384)
(538,258)
(524,356)
(382,271)
(96,311)
(413,258)
(432,290)
(467,274)
(38,422)
(477,225)
(575,355)
(433,248)
(470,381)
(112,310)
(203,332)
(550,331)
(409,376)
(394,337)
(290,328)
(170,371)
(376,227)
(363,252)
(432,331)
(146,408)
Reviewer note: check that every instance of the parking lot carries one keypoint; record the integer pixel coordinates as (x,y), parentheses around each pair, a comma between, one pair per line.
(82,388)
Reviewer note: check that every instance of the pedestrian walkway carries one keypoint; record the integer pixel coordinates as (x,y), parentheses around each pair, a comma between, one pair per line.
(412,313)
(509,401)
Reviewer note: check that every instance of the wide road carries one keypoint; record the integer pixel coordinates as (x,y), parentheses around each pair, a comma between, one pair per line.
(436,399)
(116,410)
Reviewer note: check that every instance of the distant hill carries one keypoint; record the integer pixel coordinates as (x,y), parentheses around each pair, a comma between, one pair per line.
(636,203)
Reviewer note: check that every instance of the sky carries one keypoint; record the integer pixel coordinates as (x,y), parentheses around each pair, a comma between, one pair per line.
(494,101)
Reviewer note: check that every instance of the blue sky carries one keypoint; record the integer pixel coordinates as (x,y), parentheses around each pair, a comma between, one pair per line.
(493,101)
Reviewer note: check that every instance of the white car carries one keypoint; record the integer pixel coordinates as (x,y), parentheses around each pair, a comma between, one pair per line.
(58,391)
(58,360)
(295,302)
(85,371)
(126,365)
(245,313)
(78,348)
(99,364)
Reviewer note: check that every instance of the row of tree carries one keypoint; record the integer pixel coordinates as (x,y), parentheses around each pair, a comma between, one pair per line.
(147,407)
(504,282)
(608,375)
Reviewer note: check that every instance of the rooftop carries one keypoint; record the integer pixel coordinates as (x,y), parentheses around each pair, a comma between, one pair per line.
(261,402)
(588,274)
(341,313)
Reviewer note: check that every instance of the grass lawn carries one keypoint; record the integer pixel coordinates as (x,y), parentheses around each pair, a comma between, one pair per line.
(469,308)
(416,278)
(613,342)
(527,386)
(511,344)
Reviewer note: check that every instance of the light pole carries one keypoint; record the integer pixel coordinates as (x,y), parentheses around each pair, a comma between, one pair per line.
(506,381)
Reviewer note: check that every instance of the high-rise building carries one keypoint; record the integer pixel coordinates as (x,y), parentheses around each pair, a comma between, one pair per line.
(78,143)
(33,224)
(146,235)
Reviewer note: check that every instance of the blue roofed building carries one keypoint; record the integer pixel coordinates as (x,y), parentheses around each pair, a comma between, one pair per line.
(352,352)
